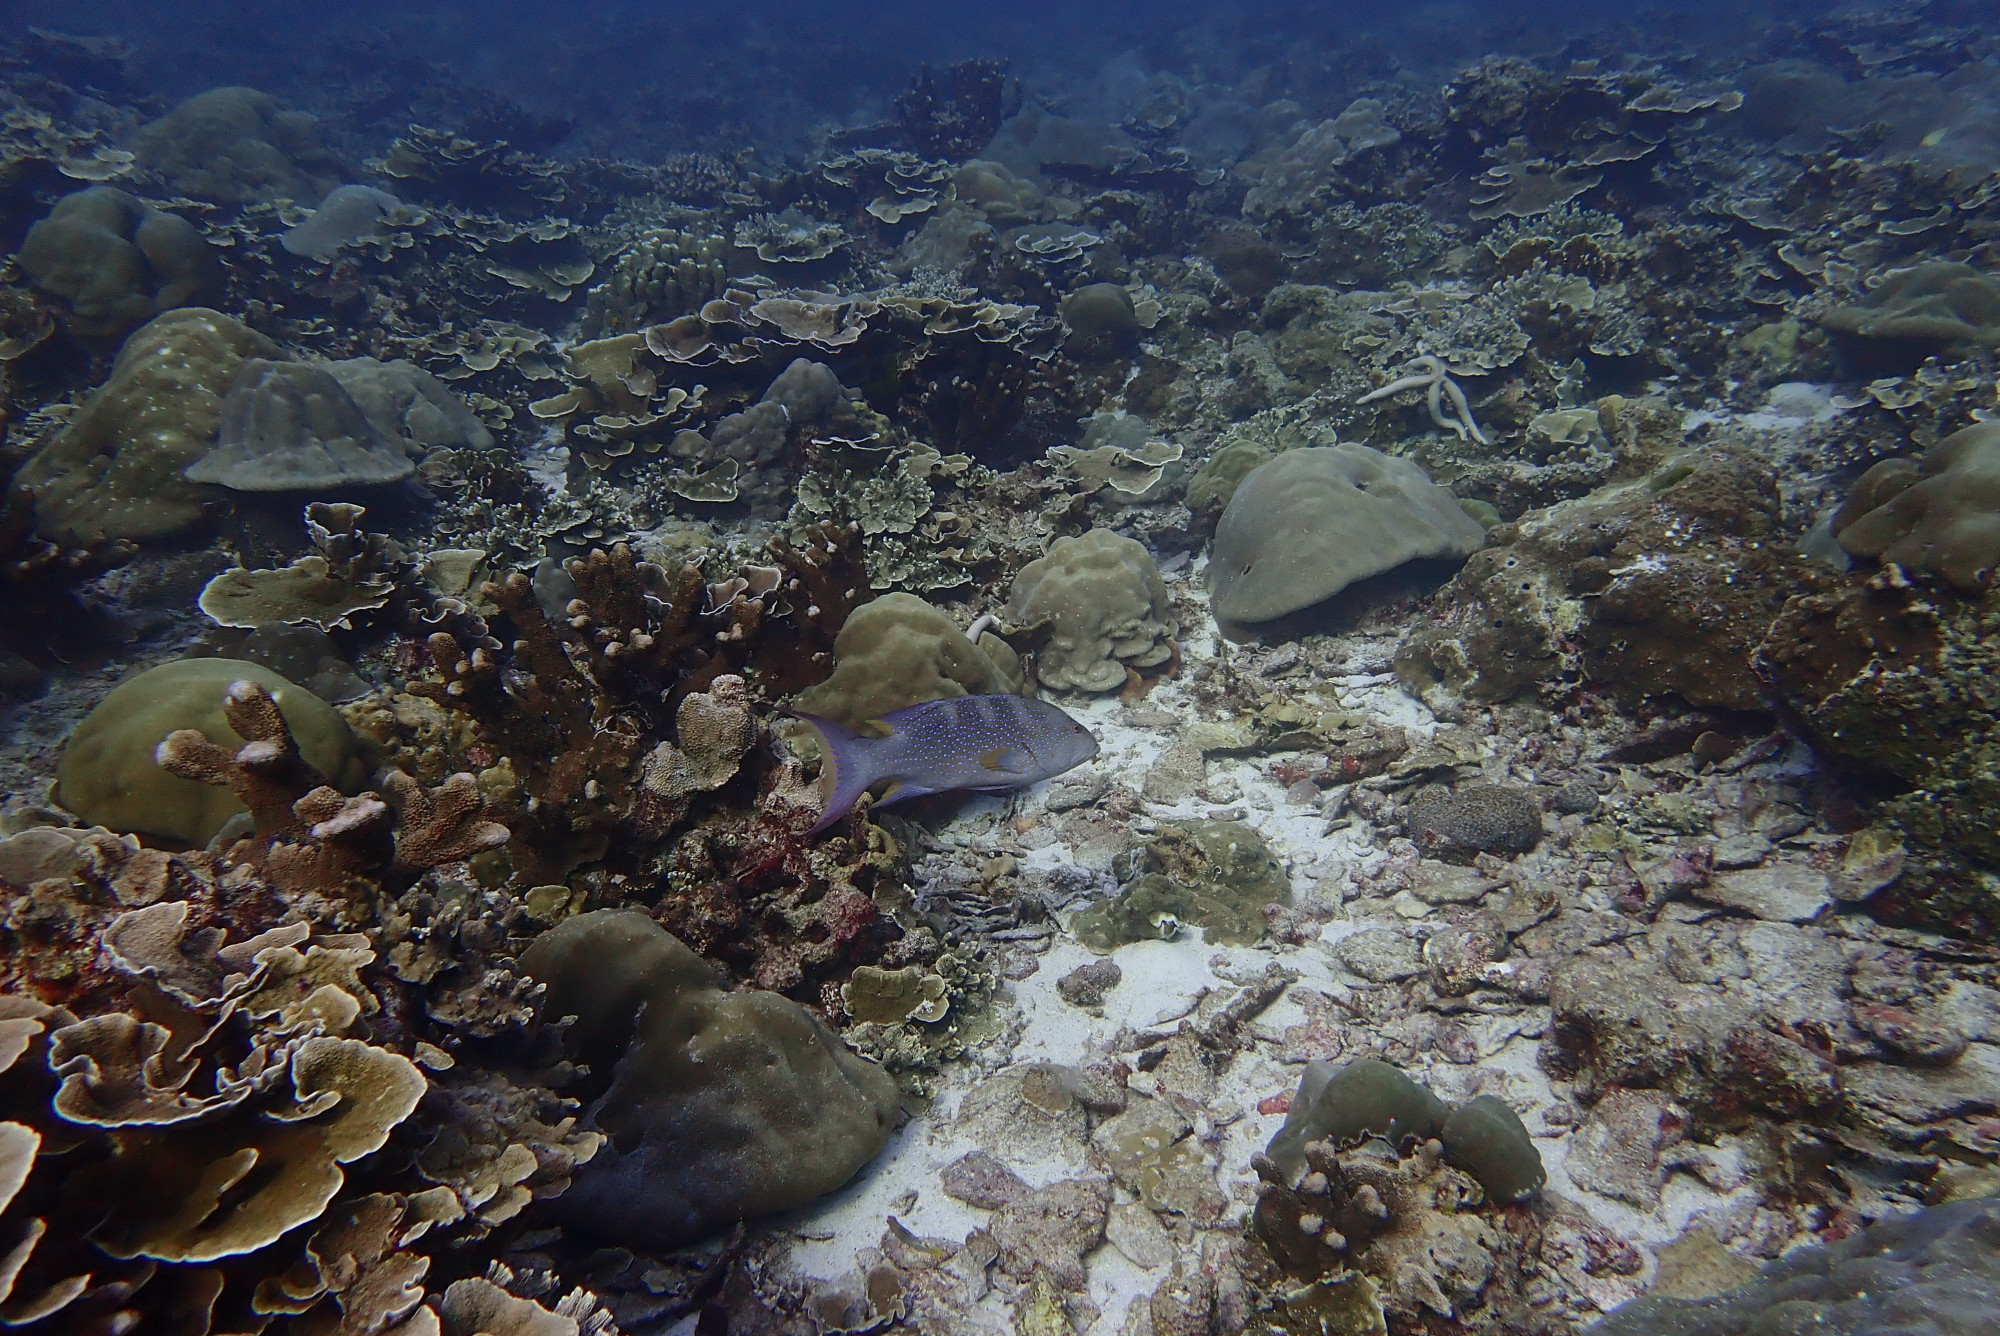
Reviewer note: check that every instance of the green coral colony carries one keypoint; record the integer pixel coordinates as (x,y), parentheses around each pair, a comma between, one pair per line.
(1329,684)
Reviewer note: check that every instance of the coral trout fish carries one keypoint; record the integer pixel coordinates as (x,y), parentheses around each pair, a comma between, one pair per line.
(988,743)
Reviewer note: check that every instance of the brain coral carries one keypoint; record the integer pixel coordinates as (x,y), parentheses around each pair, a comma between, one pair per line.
(115,470)
(1311,522)
(898,650)
(721,1106)
(107,774)
(1941,518)
(1105,606)
(117,262)
(237,145)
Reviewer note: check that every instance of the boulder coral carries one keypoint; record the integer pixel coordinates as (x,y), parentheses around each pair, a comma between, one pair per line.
(898,650)
(116,470)
(1105,607)
(1305,526)
(108,775)
(116,262)
(721,1107)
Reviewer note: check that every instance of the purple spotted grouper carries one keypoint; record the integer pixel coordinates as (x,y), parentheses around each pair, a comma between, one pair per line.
(988,743)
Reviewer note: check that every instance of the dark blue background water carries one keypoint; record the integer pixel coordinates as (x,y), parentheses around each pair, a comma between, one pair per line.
(632,78)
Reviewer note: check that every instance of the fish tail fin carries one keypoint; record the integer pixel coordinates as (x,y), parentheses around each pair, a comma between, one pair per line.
(844,772)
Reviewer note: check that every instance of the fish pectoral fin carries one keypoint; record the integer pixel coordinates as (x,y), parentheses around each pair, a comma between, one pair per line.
(1006,760)
(898,790)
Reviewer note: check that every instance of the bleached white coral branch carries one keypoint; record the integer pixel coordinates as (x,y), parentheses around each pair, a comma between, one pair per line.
(1431,377)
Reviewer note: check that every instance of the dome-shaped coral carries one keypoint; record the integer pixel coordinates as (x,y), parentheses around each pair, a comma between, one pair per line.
(1106,608)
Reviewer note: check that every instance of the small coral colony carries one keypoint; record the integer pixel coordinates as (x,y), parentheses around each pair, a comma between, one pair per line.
(1284,694)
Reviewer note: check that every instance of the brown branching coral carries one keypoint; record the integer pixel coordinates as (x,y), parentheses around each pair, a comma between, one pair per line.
(311,838)
(593,693)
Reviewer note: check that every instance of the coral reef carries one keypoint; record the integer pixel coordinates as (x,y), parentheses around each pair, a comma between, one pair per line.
(1509,507)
